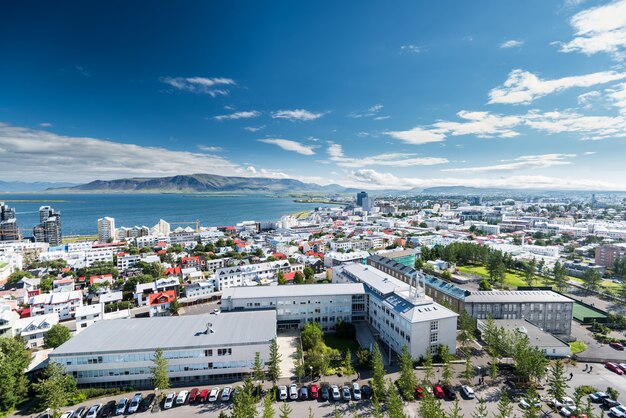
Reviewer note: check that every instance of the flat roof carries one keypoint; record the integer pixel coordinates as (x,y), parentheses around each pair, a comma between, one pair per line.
(447,288)
(382,282)
(526,296)
(172,333)
(323,289)
(536,335)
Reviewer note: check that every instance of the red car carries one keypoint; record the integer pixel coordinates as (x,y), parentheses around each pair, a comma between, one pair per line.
(438,392)
(204,395)
(614,368)
(193,395)
(314,392)
(419,393)
(617,346)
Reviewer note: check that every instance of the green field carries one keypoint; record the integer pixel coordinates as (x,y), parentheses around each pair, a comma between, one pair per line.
(577,347)
(511,278)
(581,312)
(79,238)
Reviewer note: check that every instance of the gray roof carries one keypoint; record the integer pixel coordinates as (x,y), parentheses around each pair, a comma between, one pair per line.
(324,289)
(536,335)
(446,287)
(525,296)
(371,276)
(394,265)
(171,333)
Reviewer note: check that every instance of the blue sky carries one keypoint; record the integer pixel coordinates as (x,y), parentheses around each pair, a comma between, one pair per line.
(364,94)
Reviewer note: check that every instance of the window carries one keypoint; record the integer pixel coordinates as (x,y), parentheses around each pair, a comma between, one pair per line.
(434,326)
(434,337)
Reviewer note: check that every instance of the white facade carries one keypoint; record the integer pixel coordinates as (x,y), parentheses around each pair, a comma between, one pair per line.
(124,262)
(252,274)
(200,289)
(88,315)
(34,329)
(106,229)
(7,320)
(64,304)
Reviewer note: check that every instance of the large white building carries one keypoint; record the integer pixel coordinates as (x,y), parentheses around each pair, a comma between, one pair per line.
(88,315)
(106,229)
(33,329)
(200,349)
(64,304)
(252,274)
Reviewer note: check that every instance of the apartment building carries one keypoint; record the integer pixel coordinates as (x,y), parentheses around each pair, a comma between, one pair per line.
(106,229)
(63,303)
(88,315)
(33,329)
(251,274)
(607,254)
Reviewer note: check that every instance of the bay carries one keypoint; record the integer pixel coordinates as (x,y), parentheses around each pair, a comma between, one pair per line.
(80,212)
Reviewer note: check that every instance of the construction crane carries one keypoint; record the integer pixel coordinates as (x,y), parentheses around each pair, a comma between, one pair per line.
(197,222)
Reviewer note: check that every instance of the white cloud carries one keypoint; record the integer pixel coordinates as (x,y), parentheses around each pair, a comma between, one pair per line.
(209,148)
(525,162)
(371,112)
(39,155)
(522,87)
(414,49)
(289,145)
(296,114)
(381,117)
(251,169)
(512,43)
(201,85)
(617,95)
(586,100)
(590,127)
(336,155)
(589,153)
(376,180)
(599,29)
(254,128)
(482,124)
(238,115)
(417,136)
(45,125)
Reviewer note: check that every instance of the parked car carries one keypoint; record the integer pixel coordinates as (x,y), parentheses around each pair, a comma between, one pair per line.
(121,406)
(618,411)
(134,403)
(304,393)
(558,404)
(226,394)
(293,391)
(182,397)
(108,409)
(169,400)
(67,414)
(345,393)
(614,368)
(569,411)
(147,402)
(93,411)
(419,392)
(204,395)
(314,392)
(610,403)
(366,391)
(525,403)
(356,391)
(214,394)
(450,392)
(622,366)
(325,393)
(80,412)
(282,393)
(598,396)
(617,346)
(438,392)
(193,395)
(467,391)
(335,392)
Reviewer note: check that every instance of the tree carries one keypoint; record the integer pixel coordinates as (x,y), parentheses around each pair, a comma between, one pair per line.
(532,411)
(18,275)
(348,367)
(56,389)
(613,393)
(529,272)
(481,411)
(309,273)
(557,385)
(311,415)
(311,335)
(45,285)
(559,276)
(298,278)
(160,376)
(592,279)
(407,380)
(280,277)
(467,328)
(57,335)
(455,411)
(444,355)
(364,357)
(273,366)
(496,267)
(378,374)
(395,407)
(268,405)
(14,359)
(429,373)
(243,402)
(468,373)
(257,368)
(504,406)
(174,307)
(284,410)
(430,407)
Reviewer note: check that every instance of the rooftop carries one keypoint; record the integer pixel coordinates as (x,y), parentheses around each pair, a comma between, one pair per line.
(516,296)
(448,288)
(172,333)
(325,289)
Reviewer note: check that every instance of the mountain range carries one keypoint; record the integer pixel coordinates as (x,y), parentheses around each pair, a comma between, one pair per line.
(22,187)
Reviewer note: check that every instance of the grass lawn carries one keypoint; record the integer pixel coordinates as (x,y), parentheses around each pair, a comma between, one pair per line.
(511,278)
(577,347)
(341,344)
(79,238)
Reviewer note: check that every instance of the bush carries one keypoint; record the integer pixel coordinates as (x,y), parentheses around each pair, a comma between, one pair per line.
(484,285)
(345,330)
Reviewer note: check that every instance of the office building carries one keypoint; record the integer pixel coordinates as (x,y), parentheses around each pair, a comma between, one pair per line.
(359,198)
(200,349)
(9,230)
(606,255)
(49,228)
(64,304)
(106,229)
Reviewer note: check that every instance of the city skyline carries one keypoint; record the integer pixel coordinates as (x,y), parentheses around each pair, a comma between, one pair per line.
(510,95)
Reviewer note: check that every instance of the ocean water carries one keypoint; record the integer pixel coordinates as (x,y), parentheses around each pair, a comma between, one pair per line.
(80,212)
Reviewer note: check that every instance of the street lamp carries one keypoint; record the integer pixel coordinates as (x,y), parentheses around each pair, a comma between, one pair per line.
(311,370)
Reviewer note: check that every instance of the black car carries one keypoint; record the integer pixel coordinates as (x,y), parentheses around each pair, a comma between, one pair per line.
(450,392)
(366,391)
(325,393)
(108,410)
(609,403)
(147,402)
(80,412)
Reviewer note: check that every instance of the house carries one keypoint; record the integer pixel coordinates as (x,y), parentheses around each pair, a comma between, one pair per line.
(8,317)
(90,314)
(144,290)
(199,289)
(63,303)
(161,302)
(63,285)
(33,329)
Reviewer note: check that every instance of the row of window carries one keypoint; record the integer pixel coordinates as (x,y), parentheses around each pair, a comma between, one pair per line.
(137,357)
(176,368)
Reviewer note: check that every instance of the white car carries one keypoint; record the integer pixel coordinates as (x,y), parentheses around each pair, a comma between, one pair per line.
(618,411)
(282,393)
(67,414)
(93,411)
(226,394)
(182,397)
(565,402)
(467,391)
(293,391)
(335,392)
(598,396)
(134,403)
(356,391)
(214,394)
(525,403)
(121,406)
(568,411)
(169,400)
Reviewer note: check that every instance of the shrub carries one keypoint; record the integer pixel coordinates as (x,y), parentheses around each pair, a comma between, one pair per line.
(484,285)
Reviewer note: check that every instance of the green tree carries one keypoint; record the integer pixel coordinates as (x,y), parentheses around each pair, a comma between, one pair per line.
(273,366)
(280,277)
(243,402)
(57,335)
(160,376)
(612,392)
(559,276)
(348,367)
(532,397)
(378,374)
(468,373)
(268,405)
(395,407)
(504,406)
(45,285)
(481,410)
(529,272)
(257,368)
(429,373)
(309,273)
(407,380)
(430,407)
(557,385)
(311,335)
(14,359)
(18,275)
(467,328)
(298,278)
(174,307)
(455,411)
(284,410)
(444,355)
(592,279)
(56,389)
(311,415)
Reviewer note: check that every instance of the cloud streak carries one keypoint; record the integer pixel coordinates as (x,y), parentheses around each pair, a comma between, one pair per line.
(512,43)
(289,145)
(336,155)
(200,85)
(525,162)
(296,115)
(238,115)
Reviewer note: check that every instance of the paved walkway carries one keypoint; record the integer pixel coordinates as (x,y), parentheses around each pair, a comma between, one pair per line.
(287,347)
